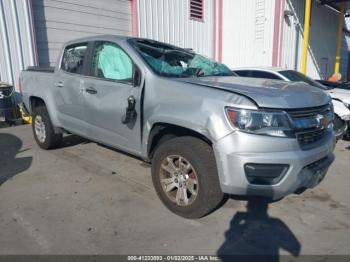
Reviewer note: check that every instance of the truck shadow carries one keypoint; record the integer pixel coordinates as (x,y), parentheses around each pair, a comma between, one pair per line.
(254,232)
(10,165)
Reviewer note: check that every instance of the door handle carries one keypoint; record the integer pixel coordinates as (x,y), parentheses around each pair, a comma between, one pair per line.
(59,84)
(91,90)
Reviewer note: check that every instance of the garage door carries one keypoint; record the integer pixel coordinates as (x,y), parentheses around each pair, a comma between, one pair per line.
(57,21)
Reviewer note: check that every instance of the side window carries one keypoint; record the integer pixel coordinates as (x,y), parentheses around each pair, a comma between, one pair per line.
(110,62)
(267,75)
(243,73)
(73,58)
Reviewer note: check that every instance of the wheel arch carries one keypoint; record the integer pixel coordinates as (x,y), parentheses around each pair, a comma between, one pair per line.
(35,101)
(161,132)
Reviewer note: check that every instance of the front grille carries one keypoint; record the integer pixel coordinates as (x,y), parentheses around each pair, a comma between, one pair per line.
(311,133)
(308,112)
(310,137)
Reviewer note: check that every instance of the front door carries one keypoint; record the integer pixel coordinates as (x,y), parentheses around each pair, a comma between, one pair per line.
(107,90)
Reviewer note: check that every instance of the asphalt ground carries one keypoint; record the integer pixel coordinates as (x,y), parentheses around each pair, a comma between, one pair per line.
(85,198)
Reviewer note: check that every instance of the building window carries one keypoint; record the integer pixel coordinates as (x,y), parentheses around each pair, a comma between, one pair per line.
(196,9)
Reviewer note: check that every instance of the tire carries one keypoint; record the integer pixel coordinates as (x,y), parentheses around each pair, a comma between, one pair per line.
(43,129)
(204,196)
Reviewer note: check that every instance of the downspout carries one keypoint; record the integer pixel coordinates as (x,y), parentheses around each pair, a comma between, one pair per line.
(220,11)
(339,39)
(214,30)
(33,33)
(17,37)
(282,33)
(29,33)
(276,33)
(306,36)
(134,18)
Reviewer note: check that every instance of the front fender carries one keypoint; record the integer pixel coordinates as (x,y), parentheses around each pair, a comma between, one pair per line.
(213,127)
(341,110)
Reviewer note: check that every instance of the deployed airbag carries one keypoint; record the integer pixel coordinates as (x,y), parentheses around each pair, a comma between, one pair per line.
(115,63)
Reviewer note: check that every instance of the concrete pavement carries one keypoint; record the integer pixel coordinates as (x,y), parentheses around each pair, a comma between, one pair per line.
(84,198)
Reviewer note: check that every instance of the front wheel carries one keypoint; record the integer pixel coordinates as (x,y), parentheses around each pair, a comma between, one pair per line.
(184,174)
(43,130)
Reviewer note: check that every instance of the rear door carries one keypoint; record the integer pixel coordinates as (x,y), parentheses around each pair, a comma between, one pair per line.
(68,87)
(107,90)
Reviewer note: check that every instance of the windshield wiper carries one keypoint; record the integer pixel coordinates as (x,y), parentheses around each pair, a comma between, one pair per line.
(192,71)
(199,72)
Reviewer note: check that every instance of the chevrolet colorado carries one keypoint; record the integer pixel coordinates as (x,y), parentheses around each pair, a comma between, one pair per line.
(205,131)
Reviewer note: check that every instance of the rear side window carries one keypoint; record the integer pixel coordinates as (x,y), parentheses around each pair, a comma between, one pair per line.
(262,74)
(73,58)
(243,73)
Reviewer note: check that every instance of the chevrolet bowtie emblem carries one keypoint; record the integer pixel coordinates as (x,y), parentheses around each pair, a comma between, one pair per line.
(320,121)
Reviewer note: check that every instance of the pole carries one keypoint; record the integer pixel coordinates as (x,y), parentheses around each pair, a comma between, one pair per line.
(340,34)
(306,36)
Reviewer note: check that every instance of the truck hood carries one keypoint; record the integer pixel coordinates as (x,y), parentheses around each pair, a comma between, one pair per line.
(341,94)
(265,92)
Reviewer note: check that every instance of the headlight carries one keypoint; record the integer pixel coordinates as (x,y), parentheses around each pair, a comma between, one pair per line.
(260,122)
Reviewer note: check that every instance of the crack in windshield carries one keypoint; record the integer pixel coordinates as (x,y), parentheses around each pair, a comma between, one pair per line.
(170,61)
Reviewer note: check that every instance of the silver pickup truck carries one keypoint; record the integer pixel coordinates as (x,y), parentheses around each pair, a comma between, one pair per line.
(206,132)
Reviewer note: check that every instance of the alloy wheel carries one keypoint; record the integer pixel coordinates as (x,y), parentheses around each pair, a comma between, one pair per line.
(179,180)
(40,130)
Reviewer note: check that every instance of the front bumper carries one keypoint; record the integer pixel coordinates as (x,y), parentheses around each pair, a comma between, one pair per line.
(306,167)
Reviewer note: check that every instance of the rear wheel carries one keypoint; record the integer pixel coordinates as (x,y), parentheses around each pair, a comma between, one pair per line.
(184,174)
(43,129)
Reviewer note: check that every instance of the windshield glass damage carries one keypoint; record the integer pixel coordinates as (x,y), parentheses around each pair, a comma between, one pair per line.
(171,61)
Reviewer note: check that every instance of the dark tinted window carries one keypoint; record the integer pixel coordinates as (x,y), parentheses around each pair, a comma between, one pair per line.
(328,84)
(296,76)
(73,58)
(262,74)
(345,86)
(243,73)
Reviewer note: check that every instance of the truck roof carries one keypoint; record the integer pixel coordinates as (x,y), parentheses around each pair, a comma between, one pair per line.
(98,38)
(113,38)
(260,68)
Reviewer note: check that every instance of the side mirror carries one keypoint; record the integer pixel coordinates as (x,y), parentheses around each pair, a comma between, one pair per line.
(136,77)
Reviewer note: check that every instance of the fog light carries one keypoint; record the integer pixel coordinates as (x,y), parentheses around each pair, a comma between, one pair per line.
(265,174)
